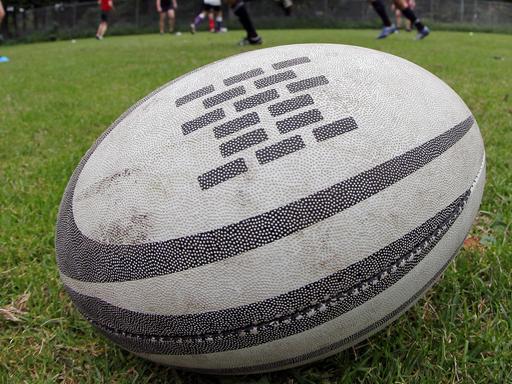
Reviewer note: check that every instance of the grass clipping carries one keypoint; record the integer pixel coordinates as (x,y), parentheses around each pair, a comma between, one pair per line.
(15,310)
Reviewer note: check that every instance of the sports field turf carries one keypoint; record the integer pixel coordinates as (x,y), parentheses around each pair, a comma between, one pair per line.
(56,99)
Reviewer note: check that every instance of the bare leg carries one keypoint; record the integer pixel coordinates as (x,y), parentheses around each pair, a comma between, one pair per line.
(161,23)
(104,26)
(98,31)
(400,4)
(398,17)
(409,14)
(2,13)
(172,20)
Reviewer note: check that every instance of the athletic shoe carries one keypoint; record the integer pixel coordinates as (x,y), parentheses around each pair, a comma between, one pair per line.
(192,28)
(386,31)
(251,41)
(4,59)
(98,37)
(423,33)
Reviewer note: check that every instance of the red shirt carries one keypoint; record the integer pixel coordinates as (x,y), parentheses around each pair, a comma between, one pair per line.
(105,5)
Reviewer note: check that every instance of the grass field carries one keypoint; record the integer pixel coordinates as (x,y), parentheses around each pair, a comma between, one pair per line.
(56,99)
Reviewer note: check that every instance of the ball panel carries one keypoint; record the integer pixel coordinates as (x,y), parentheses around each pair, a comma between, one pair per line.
(195,95)
(307,255)
(343,290)
(108,262)
(306,319)
(173,161)
(350,328)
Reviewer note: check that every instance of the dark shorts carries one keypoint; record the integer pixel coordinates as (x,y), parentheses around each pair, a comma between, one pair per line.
(104,16)
(208,8)
(166,8)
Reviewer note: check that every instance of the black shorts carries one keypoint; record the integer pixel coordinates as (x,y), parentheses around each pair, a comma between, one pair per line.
(208,8)
(166,8)
(104,16)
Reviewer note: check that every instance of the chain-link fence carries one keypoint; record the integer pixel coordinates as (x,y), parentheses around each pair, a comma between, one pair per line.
(64,20)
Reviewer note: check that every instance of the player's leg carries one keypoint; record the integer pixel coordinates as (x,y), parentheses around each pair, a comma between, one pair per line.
(423,31)
(412,5)
(105,27)
(3,59)
(388,27)
(101,28)
(398,17)
(211,21)
(240,10)
(2,13)
(408,25)
(218,20)
(380,9)
(162,22)
(104,23)
(198,20)
(98,31)
(171,18)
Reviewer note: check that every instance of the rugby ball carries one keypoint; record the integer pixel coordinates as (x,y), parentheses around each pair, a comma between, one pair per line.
(270,209)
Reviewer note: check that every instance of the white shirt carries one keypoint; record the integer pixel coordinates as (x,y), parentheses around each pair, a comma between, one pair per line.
(213,2)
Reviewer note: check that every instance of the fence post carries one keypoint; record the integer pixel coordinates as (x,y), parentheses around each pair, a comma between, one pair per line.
(462,11)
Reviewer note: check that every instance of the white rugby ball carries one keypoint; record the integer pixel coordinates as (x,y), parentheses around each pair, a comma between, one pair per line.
(270,209)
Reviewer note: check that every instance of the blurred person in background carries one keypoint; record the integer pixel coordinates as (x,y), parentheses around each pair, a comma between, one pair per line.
(398,15)
(212,9)
(405,9)
(105,6)
(240,10)
(2,15)
(3,59)
(167,8)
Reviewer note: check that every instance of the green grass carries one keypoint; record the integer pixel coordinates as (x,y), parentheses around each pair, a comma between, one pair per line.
(57,98)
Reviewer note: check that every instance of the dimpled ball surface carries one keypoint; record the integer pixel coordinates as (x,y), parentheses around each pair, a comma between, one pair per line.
(270,209)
